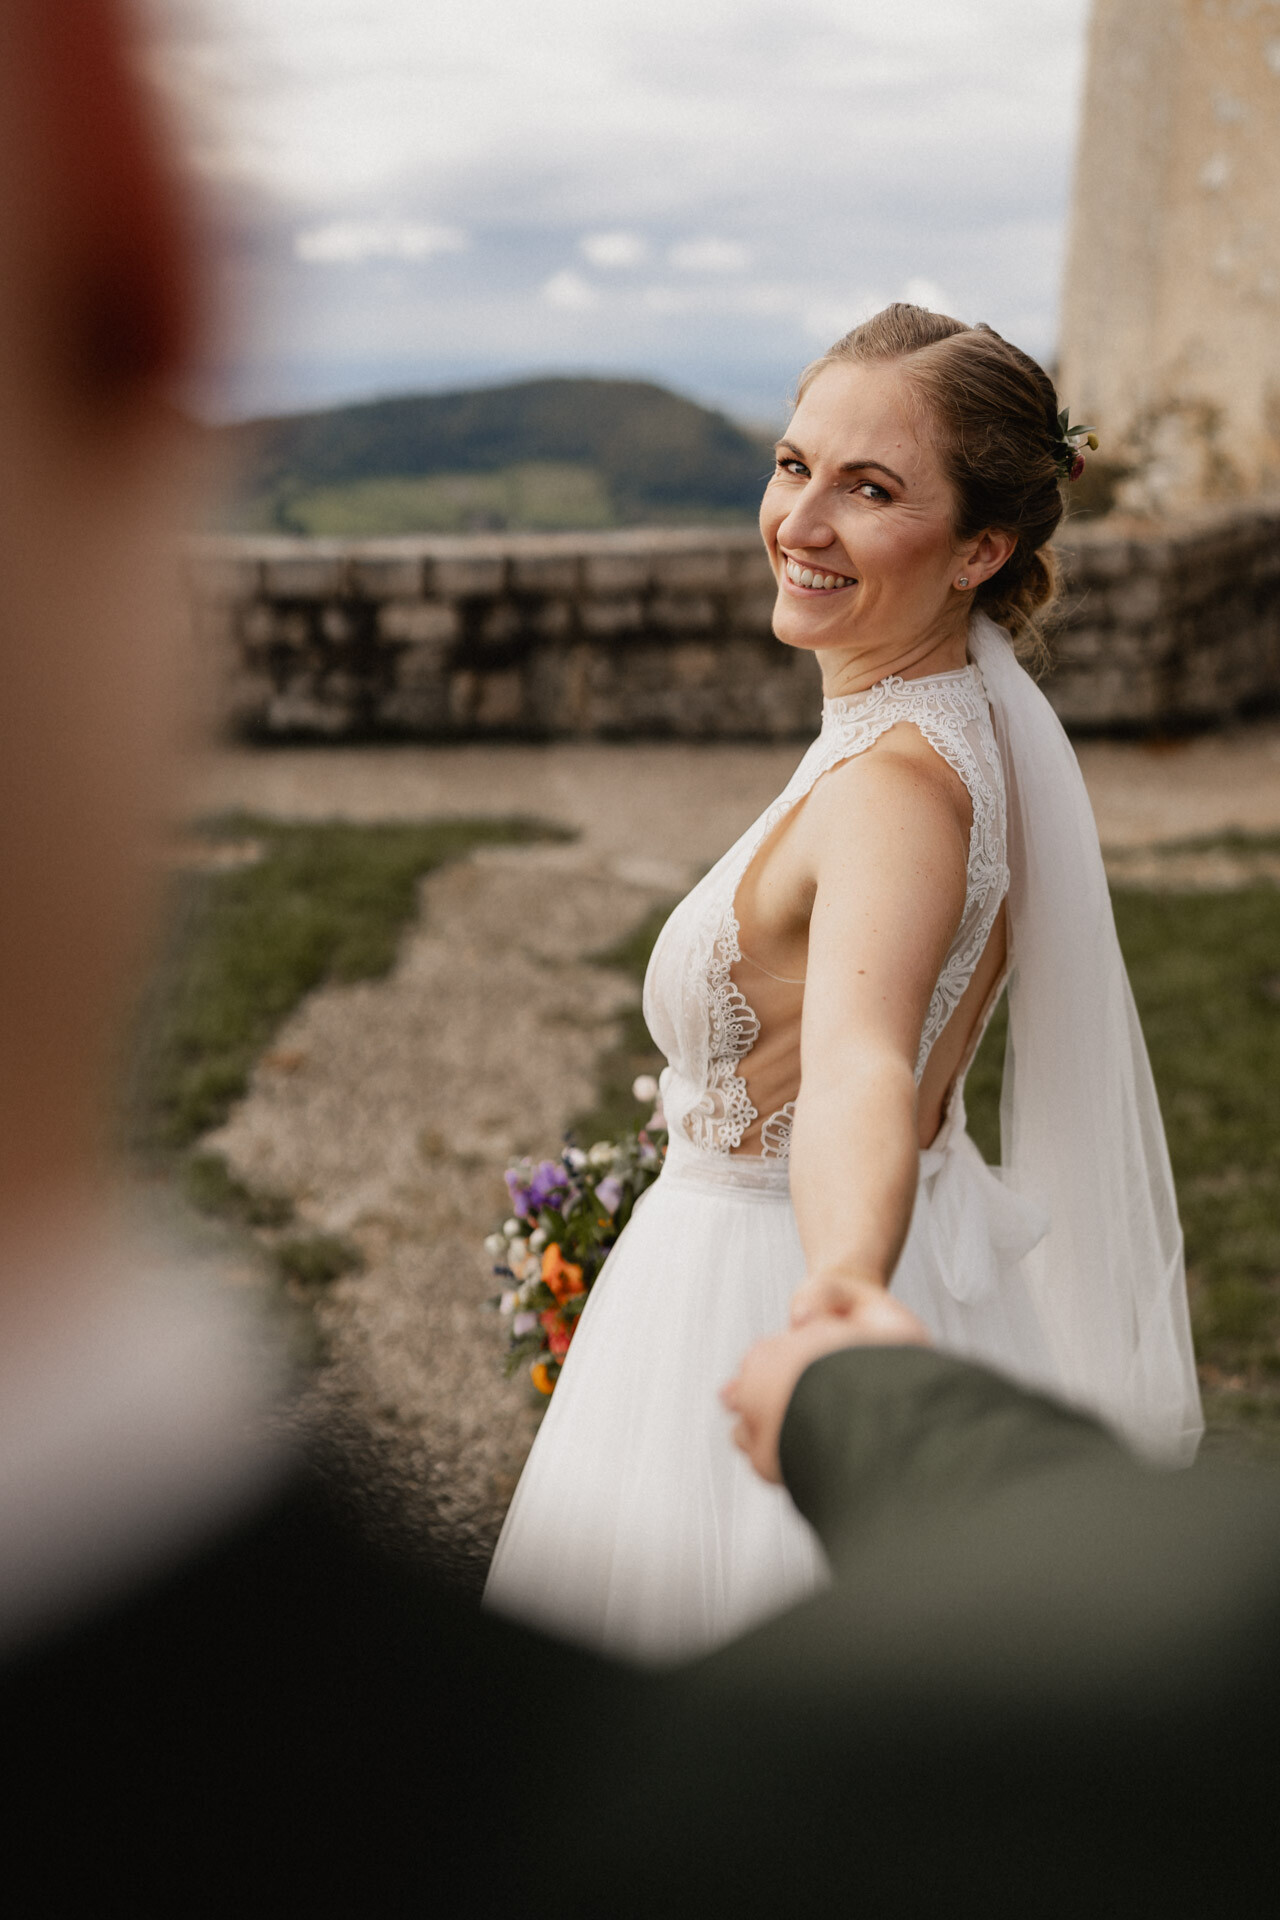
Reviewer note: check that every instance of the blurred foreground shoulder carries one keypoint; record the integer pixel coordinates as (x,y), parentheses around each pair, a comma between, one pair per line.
(288,1707)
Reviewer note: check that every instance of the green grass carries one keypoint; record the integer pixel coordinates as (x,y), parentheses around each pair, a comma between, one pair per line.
(982,1086)
(326,902)
(1205,969)
(316,1259)
(536,496)
(209,1186)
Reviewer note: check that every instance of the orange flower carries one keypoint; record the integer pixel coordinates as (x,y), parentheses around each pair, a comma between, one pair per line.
(560,1275)
(541,1377)
(559,1332)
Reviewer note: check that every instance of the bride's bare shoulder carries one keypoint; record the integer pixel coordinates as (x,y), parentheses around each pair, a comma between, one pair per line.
(887,844)
(901,782)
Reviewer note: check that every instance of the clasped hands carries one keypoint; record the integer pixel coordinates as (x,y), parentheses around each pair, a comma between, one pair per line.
(826,1314)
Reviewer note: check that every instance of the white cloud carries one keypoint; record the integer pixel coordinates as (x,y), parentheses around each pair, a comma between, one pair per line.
(919,292)
(668,299)
(710,256)
(768,298)
(828,320)
(569,291)
(617,249)
(349,243)
(761,166)
(659,103)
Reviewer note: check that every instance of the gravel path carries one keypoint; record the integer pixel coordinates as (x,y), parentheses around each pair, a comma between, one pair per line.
(388,1110)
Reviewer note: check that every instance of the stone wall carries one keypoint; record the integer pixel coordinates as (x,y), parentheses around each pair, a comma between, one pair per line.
(1168,625)
(650,633)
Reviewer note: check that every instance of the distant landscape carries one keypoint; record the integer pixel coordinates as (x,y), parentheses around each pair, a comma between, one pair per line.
(539,456)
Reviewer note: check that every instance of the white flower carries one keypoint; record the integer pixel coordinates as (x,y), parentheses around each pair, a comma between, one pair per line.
(574,1157)
(524,1323)
(537,1240)
(495,1245)
(645,1088)
(509,1301)
(518,1248)
(601,1155)
(513,1228)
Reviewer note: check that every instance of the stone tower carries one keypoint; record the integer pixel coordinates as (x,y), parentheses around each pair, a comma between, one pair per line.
(1171,306)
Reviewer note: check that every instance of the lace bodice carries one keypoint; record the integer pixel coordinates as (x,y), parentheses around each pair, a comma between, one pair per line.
(699,1016)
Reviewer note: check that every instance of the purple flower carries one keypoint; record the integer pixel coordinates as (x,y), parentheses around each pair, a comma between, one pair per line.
(520,1194)
(524,1323)
(609,1193)
(548,1183)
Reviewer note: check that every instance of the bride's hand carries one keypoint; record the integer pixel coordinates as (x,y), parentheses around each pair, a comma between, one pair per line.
(836,1292)
(761,1392)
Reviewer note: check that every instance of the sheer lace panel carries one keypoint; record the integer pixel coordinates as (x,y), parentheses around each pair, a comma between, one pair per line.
(775,1134)
(724,1112)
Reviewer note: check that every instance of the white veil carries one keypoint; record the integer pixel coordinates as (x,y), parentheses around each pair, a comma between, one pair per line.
(1080,1123)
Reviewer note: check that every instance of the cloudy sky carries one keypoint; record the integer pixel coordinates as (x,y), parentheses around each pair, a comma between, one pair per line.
(420,194)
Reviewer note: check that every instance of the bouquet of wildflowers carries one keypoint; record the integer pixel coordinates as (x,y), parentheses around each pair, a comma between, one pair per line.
(565,1216)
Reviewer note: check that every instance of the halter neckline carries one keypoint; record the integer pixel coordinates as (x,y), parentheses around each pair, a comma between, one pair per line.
(892,682)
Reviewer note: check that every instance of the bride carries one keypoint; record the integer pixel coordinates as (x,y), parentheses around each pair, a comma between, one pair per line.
(820,995)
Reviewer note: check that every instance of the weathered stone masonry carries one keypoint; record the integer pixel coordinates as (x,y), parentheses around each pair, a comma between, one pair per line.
(1170,330)
(650,633)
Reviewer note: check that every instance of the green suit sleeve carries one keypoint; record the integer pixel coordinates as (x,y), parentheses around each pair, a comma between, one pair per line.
(873,1431)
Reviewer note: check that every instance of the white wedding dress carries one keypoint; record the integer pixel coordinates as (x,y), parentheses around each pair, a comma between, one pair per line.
(637,1527)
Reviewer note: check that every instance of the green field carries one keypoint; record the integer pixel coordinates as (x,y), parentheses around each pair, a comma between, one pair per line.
(315,903)
(309,904)
(533,496)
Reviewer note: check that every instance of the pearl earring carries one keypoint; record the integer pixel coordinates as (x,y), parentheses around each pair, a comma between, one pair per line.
(963,581)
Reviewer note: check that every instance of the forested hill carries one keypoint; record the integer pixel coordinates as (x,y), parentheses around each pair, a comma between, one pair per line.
(554,452)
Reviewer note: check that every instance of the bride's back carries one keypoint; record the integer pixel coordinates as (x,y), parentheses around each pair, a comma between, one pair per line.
(725,997)
(773,905)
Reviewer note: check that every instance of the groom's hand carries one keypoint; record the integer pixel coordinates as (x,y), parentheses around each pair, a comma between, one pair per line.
(767,1377)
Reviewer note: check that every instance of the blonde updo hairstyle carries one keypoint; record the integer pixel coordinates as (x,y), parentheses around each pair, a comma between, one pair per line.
(994,413)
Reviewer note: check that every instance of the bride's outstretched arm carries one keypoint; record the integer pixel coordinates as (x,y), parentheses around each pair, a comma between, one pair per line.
(888,847)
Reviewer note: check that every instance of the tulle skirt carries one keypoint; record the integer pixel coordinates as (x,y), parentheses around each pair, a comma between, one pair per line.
(637,1527)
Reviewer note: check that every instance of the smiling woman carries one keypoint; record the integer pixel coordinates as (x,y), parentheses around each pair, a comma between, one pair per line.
(819,997)
(954,475)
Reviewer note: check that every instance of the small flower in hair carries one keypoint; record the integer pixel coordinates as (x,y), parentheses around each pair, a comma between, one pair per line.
(1067,450)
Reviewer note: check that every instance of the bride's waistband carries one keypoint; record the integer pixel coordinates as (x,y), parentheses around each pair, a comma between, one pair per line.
(689,1166)
(770,1174)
